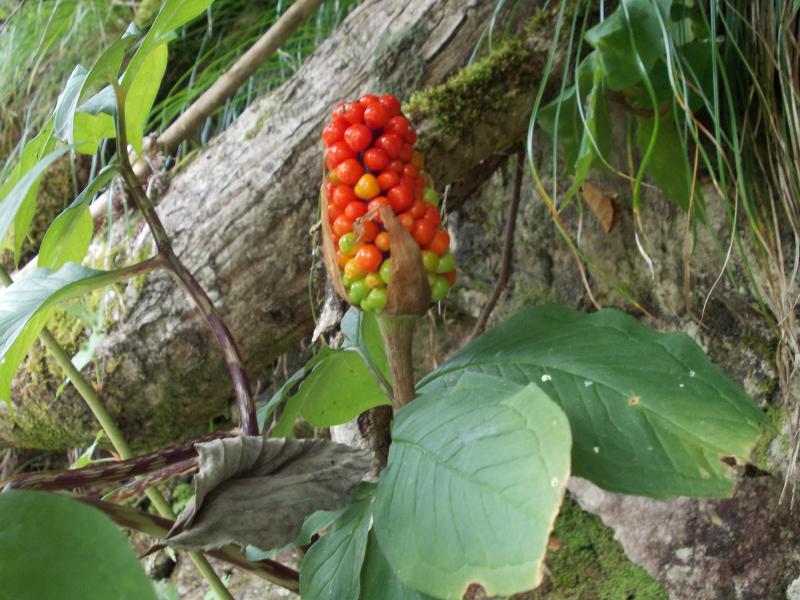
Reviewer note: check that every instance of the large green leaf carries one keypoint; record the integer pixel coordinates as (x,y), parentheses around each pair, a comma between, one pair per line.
(629,38)
(378,580)
(595,145)
(475,478)
(285,390)
(27,303)
(649,413)
(53,548)
(332,567)
(70,234)
(361,331)
(339,388)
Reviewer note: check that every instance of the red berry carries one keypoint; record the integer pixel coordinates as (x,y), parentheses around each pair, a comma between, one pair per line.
(417,210)
(338,153)
(355,210)
(375,204)
(411,171)
(376,115)
(342,225)
(388,179)
(432,214)
(338,110)
(451,277)
(368,258)
(350,171)
(391,143)
(332,133)
(410,137)
(392,103)
(353,112)
(368,99)
(398,124)
(329,187)
(401,198)
(369,231)
(358,137)
(405,153)
(424,232)
(376,159)
(343,195)
(407,221)
(333,212)
(396,166)
(440,242)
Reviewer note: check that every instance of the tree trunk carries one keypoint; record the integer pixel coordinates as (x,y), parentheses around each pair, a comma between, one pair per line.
(242,214)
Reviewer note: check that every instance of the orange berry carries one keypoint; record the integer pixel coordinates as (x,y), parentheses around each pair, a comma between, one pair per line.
(383,241)
(367,187)
(407,221)
(369,231)
(368,258)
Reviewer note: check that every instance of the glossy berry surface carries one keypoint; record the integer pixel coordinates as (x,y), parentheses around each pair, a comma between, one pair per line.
(372,166)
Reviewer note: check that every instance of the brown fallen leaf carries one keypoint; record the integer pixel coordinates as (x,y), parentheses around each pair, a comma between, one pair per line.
(258,491)
(604,205)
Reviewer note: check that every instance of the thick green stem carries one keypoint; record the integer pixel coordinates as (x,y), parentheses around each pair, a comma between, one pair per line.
(119,442)
(398,338)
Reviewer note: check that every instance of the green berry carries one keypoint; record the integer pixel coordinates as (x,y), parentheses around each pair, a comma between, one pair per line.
(386,270)
(346,281)
(377,299)
(447,263)
(439,289)
(347,243)
(358,291)
(430,260)
(431,196)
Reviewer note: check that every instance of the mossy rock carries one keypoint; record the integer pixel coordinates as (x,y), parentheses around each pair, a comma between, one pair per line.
(586,563)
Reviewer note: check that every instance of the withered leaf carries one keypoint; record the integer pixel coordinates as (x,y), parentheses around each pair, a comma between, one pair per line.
(329,249)
(604,205)
(409,291)
(258,491)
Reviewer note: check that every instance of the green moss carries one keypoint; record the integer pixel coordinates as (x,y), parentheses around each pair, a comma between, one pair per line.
(37,387)
(458,104)
(254,131)
(181,495)
(590,565)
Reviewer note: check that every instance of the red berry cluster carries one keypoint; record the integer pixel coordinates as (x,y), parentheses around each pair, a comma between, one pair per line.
(371,162)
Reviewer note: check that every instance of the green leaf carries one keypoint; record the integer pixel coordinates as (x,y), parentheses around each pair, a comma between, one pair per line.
(142,93)
(339,388)
(378,580)
(361,332)
(265,411)
(33,151)
(475,477)
(19,204)
(669,163)
(52,547)
(172,15)
(27,303)
(87,123)
(596,138)
(562,120)
(649,413)
(332,567)
(70,234)
(630,34)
